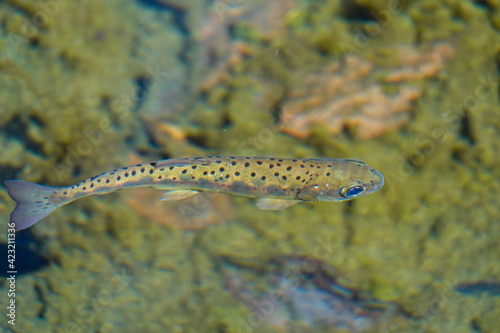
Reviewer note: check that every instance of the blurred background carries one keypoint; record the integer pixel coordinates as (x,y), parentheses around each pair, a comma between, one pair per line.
(409,87)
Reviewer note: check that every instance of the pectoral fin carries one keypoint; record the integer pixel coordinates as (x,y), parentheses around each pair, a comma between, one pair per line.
(275,204)
(310,193)
(178,195)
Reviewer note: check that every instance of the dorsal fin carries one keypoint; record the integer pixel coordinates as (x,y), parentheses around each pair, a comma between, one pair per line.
(180,162)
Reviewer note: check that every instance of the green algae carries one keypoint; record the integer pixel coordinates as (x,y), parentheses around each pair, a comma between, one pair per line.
(428,229)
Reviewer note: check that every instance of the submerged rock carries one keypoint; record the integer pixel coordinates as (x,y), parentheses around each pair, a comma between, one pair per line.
(292,292)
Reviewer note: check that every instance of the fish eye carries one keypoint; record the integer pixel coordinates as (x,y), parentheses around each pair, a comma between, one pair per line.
(349,192)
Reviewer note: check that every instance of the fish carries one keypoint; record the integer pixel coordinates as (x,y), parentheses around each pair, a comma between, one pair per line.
(277,183)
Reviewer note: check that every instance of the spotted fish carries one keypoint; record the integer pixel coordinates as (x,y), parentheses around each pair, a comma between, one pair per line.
(277,182)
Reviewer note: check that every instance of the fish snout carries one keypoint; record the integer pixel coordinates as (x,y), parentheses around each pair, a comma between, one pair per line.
(378,179)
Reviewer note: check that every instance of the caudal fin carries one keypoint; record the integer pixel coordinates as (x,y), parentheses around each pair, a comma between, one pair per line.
(34,202)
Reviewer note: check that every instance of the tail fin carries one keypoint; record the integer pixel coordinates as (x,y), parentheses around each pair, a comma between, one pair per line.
(34,202)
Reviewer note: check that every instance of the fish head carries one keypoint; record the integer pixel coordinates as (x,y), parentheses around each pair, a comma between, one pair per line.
(348,180)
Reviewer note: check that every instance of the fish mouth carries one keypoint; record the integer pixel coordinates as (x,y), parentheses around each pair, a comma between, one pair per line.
(378,178)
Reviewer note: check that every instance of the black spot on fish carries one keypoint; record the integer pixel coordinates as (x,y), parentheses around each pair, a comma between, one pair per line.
(162,169)
(272,159)
(84,188)
(133,173)
(311,165)
(118,178)
(271,166)
(329,165)
(142,170)
(247,158)
(318,167)
(222,169)
(236,173)
(307,172)
(328,174)
(98,180)
(184,171)
(302,166)
(212,172)
(194,167)
(205,173)
(289,168)
(259,162)
(151,171)
(171,168)
(280,160)
(193,177)
(64,193)
(294,160)
(276,174)
(298,177)
(72,187)
(125,168)
(233,162)
(152,164)
(284,177)
(218,161)
(107,181)
(247,164)
(159,177)
(263,178)
(278,164)
(232,157)
(227,176)
(126,174)
(174,178)
(91,185)
(252,174)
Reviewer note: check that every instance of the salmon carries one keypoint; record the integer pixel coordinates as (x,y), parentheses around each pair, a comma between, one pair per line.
(278,183)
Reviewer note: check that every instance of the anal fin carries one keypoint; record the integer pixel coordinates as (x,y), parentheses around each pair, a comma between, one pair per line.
(178,194)
(275,204)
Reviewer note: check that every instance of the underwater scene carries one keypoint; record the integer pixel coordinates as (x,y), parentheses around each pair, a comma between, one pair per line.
(268,166)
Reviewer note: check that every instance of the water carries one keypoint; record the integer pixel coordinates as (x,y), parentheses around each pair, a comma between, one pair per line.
(411,89)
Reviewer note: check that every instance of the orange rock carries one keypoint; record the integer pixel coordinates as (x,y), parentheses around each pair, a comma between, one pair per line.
(197,212)
(350,94)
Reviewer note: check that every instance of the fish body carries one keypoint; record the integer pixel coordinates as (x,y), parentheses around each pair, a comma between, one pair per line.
(277,182)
